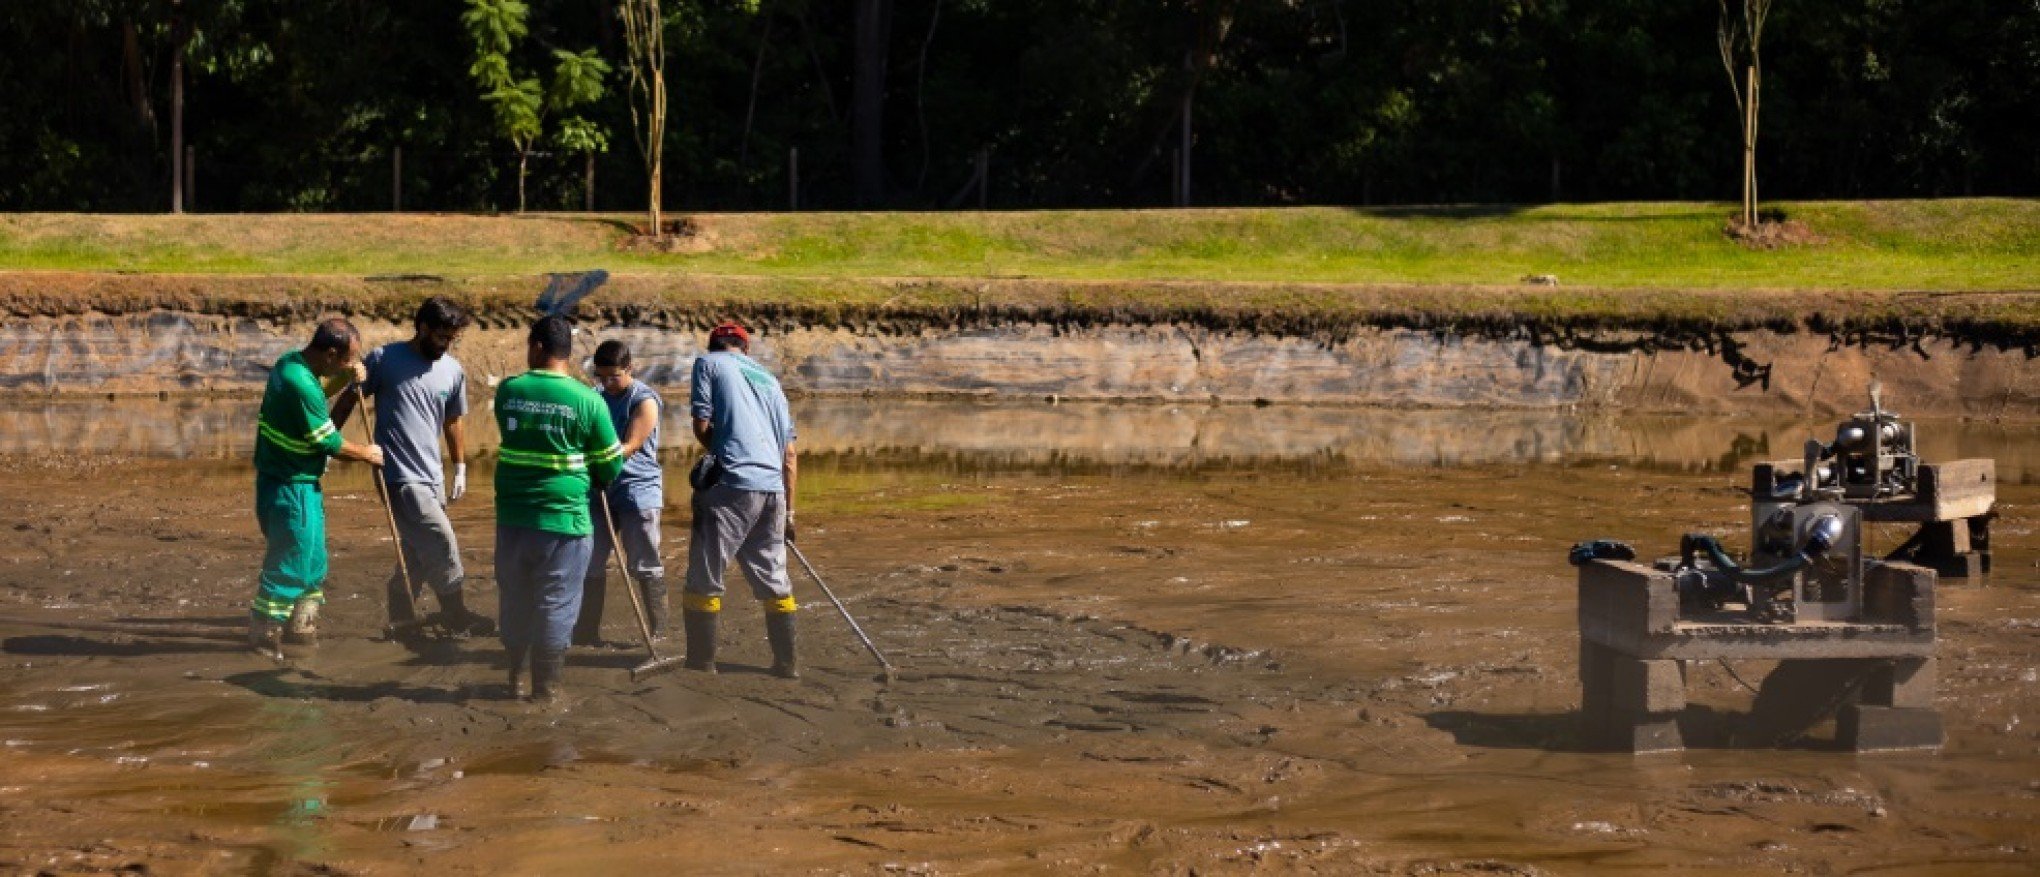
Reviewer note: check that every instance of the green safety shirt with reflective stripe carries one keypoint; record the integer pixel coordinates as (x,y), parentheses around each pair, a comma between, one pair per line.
(293,433)
(556,435)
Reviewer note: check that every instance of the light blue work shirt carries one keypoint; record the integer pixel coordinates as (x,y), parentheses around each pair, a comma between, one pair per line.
(749,423)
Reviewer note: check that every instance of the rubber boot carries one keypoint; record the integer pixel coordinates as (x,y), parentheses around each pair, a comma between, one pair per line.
(459,619)
(402,611)
(653,588)
(779,629)
(518,657)
(588,626)
(265,636)
(700,639)
(545,675)
(303,628)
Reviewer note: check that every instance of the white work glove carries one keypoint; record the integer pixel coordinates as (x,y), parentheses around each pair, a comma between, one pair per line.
(459,488)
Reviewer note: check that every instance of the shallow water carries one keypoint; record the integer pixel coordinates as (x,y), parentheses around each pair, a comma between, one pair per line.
(1137,637)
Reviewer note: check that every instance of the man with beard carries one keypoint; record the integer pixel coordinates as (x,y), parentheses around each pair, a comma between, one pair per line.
(421,395)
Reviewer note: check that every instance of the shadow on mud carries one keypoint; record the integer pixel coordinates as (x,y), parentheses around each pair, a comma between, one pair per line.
(86,647)
(306,685)
(1700,727)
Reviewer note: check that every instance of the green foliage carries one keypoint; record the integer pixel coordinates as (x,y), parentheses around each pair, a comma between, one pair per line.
(299,103)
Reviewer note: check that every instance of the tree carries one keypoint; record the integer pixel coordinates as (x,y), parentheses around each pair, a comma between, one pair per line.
(520,103)
(644,32)
(1740,37)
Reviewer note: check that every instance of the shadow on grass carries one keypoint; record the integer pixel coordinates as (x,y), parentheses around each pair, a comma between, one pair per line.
(1500,211)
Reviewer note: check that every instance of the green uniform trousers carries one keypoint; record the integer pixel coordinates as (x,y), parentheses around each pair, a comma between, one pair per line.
(293,519)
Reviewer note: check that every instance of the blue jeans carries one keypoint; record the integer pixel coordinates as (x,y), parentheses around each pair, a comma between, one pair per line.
(538,586)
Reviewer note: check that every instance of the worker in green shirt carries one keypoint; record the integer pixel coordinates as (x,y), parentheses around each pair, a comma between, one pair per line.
(556,436)
(294,435)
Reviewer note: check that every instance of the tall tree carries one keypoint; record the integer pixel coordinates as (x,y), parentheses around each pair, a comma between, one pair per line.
(644,33)
(1740,38)
(867,115)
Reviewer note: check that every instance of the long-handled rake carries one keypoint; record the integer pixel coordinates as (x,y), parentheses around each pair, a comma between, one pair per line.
(875,653)
(394,626)
(654,665)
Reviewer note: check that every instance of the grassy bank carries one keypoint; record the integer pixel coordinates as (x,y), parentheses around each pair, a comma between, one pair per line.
(1925,246)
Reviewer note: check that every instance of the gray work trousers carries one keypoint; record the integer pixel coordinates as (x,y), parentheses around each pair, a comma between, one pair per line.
(538,586)
(639,530)
(429,547)
(744,524)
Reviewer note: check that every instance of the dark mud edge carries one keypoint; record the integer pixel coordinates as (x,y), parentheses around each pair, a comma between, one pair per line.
(1595,320)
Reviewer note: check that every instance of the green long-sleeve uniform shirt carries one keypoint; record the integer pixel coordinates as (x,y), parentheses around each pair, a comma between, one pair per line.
(293,434)
(556,434)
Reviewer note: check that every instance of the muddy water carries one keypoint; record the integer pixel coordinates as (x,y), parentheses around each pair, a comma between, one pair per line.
(1131,638)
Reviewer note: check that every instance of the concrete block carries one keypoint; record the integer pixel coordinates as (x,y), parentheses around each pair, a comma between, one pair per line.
(1596,688)
(1899,593)
(1867,728)
(1641,733)
(1903,682)
(1618,600)
(1648,686)
(1959,489)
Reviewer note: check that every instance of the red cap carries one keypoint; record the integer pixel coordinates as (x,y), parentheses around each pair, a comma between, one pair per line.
(730,329)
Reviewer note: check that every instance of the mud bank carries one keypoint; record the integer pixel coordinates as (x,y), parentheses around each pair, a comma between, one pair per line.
(1746,352)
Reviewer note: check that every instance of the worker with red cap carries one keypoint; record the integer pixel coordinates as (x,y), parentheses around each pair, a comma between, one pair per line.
(743,496)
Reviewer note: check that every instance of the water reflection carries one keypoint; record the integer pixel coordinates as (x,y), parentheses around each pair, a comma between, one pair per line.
(961,436)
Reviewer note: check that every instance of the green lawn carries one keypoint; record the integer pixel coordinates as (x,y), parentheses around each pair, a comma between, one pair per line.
(1948,245)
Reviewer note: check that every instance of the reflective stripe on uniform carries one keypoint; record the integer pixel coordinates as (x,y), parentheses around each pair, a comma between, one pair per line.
(542,460)
(306,446)
(277,438)
(609,454)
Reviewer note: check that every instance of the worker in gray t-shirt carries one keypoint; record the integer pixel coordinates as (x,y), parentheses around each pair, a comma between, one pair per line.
(637,496)
(421,395)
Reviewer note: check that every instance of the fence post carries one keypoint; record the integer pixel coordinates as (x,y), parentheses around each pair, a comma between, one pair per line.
(191,178)
(793,179)
(984,175)
(588,187)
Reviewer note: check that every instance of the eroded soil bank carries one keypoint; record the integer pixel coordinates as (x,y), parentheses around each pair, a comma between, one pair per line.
(1494,362)
(1182,651)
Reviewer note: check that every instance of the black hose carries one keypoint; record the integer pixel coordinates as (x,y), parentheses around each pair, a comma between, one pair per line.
(1693,542)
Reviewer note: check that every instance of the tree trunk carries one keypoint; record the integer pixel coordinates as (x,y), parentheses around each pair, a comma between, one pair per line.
(177,33)
(1749,187)
(867,123)
(523,158)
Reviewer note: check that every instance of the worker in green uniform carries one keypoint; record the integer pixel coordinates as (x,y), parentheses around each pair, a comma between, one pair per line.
(556,436)
(294,434)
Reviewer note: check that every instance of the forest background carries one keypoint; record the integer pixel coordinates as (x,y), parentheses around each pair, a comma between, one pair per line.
(302,105)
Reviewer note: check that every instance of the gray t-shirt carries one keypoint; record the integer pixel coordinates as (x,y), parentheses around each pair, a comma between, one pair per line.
(750,425)
(641,485)
(413,400)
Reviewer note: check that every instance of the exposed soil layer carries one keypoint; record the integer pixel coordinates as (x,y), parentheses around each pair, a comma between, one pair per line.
(1797,353)
(1329,665)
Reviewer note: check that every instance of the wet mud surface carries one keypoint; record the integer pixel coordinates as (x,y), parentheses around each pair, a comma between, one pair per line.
(1284,660)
